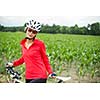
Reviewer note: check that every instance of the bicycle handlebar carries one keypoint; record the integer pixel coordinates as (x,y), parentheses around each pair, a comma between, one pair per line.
(13,74)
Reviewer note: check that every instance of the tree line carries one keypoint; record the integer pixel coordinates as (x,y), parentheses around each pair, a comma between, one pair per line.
(90,29)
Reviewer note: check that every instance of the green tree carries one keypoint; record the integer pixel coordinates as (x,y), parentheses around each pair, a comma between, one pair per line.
(95,28)
(1,27)
(63,29)
(83,30)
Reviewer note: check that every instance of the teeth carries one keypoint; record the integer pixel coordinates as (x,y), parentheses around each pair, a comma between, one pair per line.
(29,38)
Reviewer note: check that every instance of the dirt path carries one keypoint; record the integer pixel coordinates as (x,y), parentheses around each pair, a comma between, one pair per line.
(75,78)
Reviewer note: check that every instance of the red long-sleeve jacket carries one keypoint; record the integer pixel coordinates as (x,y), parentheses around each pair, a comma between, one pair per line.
(35,59)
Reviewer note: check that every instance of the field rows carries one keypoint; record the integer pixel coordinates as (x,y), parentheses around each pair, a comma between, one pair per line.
(64,51)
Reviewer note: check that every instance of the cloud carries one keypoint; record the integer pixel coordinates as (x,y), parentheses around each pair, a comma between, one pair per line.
(58,20)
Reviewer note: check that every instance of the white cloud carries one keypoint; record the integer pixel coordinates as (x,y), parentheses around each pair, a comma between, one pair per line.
(58,20)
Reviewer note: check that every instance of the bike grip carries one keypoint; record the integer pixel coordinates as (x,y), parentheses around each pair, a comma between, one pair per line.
(53,74)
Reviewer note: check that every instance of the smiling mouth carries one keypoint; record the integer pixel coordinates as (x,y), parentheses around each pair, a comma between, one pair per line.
(30,38)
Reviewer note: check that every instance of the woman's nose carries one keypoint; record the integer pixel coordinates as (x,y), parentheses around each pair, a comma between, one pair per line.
(30,33)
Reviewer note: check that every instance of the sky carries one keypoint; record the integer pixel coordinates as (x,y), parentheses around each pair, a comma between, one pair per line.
(50,20)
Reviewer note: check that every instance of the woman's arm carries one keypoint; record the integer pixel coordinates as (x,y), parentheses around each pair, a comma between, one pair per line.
(45,59)
(18,61)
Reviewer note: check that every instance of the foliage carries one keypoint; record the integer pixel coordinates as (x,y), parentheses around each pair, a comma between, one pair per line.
(93,29)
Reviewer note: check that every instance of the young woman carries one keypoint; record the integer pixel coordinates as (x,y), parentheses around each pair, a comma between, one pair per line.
(34,55)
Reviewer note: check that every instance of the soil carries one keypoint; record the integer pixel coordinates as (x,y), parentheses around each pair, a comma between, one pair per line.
(72,72)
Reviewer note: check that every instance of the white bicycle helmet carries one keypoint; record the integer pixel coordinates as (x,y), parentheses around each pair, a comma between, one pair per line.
(33,25)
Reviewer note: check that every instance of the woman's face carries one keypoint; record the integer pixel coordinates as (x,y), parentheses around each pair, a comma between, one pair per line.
(30,33)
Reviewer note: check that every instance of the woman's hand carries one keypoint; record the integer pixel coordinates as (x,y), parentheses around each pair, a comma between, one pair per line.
(53,75)
(9,64)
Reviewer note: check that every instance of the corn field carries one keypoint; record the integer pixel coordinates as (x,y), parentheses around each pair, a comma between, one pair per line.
(77,56)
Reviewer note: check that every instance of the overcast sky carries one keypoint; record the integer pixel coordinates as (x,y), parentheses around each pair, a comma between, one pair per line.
(58,20)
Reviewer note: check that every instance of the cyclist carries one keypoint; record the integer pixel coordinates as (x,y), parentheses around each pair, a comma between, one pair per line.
(34,55)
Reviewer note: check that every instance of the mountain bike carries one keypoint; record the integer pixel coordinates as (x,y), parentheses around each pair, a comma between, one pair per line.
(15,77)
